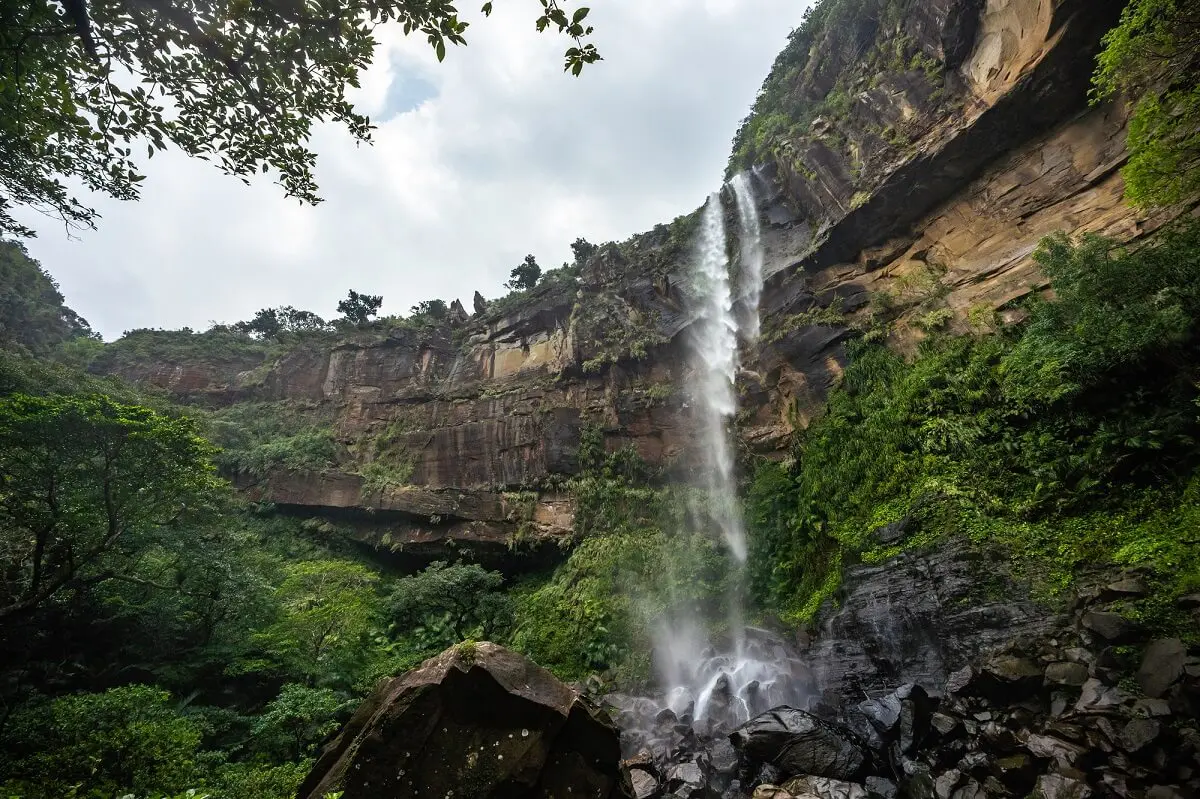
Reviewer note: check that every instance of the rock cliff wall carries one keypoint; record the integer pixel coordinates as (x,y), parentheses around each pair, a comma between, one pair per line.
(960,136)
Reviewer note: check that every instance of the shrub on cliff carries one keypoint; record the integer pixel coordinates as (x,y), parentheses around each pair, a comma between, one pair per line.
(1154,53)
(1085,408)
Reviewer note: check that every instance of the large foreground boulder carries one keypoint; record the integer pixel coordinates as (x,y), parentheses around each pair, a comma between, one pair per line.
(800,743)
(476,721)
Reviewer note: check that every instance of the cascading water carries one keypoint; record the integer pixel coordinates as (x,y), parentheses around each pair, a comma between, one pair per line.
(751,272)
(714,687)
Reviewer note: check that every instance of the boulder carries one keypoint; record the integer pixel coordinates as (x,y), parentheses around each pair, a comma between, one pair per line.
(916,712)
(477,720)
(801,743)
(768,791)
(1062,752)
(1162,665)
(1139,733)
(1066,673)
(1095,696)
(881,788)
(645,785)
(1112,627)
(1056,786)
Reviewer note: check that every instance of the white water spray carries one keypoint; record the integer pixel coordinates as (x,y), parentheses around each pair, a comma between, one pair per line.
(717,687)
(751,273)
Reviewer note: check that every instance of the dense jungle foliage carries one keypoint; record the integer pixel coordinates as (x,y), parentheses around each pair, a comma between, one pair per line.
(1069,440)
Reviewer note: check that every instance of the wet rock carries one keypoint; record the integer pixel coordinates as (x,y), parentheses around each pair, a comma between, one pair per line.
(1162,665)
(916,710)
(1139,733)
(1056,786)
(918,786)
(723,756)
(686,780)
(645,784)
(825,788)
(1112,627)
(801,743)
(883,713)
(1077,654)
(1008,678)
(1095,696)
(881,788)
(1066,673)
(945,725)
(472,719)
(1164,792)
(1062,752)
(1189,602)
(959,681)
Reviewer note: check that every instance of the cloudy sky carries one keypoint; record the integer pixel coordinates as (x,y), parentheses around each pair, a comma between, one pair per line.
(477,161)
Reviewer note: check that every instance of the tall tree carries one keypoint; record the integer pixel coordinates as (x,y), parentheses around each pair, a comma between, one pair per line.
(359,308)
(239,82)
(525,276)
(87,485)
(583,249)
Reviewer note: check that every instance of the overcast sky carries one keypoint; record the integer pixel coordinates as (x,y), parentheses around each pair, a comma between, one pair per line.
(477,161)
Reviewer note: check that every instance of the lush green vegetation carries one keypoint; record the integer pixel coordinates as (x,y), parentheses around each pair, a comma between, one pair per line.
(1069,440)
(32,313)
(836,41)
(1154,55)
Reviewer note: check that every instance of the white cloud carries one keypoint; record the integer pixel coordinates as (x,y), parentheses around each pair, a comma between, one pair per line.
(502,155)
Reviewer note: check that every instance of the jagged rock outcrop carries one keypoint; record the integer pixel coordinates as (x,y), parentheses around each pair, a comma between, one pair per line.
(478,721)
(928,187)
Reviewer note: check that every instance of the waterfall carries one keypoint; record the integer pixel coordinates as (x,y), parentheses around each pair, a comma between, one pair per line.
(751,272)
(716,356)
(717,687)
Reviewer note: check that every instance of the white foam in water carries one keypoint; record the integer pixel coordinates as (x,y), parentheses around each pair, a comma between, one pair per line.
(718,687)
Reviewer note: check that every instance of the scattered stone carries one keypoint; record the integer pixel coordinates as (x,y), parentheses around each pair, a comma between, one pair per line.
(1056,786)
(771,792)
(880,788)
(1015,772)
(644,783)
(1162,665)
(1062,752)
(1189,602)
(685,775)
(1164,792)
(1078,654)
(1139,733)
(947,782)
(960,680)
(1096,696)
(1066,673)
(825,788)
(1112,627)
(1059,702)
(801,743)
(972,790)
(1152,708)
(945,725)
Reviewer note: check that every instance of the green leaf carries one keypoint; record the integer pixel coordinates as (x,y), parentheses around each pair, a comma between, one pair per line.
(487,9)
(441,50)
(580,14)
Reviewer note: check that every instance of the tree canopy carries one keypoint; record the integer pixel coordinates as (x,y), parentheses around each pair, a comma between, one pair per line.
(86,486)
(241,83)
(524,276)
(359,308)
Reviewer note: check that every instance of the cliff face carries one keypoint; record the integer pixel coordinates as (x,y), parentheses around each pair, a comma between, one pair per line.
(956,142)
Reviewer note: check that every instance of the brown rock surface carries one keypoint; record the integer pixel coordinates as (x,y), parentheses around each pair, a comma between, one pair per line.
(477,721)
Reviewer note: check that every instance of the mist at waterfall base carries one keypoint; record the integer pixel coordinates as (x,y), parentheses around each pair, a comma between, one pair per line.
(709,687)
